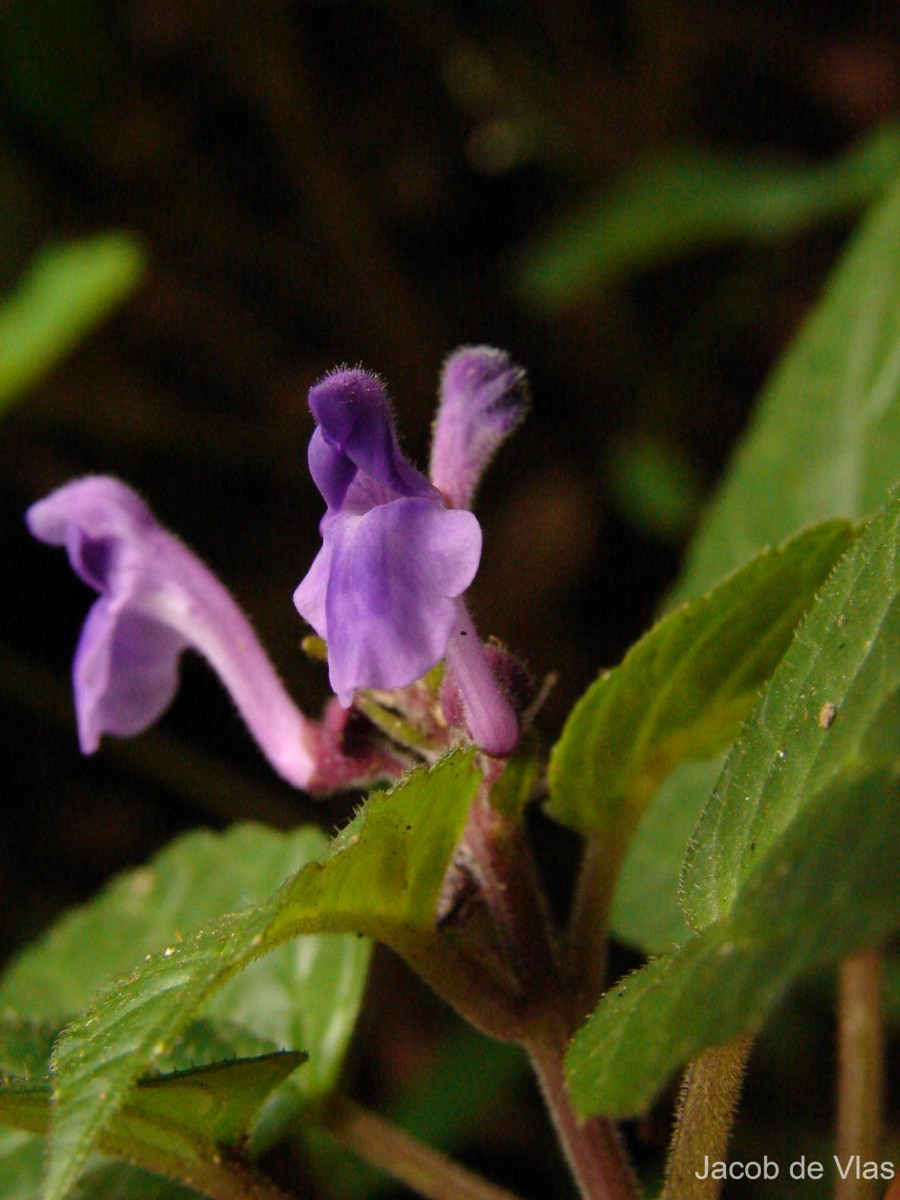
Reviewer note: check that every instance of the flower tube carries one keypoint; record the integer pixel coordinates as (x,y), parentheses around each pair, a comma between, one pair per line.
(156,599)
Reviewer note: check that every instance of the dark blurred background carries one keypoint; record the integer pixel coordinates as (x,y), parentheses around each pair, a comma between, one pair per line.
(339,181)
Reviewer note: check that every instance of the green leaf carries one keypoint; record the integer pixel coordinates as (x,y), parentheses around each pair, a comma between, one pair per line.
(845,658)
(824,440)
(205,1043)
(21,1164)
(806,796)
(173,1122)
(68,290)
(729,978)
(215,1103)
(306,998)
(645,911)
(107,1179)
(382,878)
(195,879)
(680,203)
(176,1125)
(25,1046)
(385,871)
(683,689)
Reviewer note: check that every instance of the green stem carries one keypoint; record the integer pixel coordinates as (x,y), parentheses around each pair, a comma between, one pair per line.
(861,1053)
(710,1092)
(226,1179)
(589,923)
(396,1152)
(389,722)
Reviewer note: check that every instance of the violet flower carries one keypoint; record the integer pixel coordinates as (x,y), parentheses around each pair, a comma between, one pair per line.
(483,398)
(386,589)
(156,600)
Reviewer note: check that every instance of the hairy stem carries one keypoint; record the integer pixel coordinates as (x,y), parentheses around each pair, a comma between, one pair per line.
(224,1180)
(499,859)
(396,1152)
(592,1148)
(588,924)
(497,856)
(861,1050)
(710,1092)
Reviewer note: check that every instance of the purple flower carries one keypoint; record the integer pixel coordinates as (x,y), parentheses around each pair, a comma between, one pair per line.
(156,600)
(483,398)
(385,590)
(393,560)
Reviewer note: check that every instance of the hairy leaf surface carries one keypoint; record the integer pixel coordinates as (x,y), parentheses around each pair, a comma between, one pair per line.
(382,877)
(683,689)
(795,864)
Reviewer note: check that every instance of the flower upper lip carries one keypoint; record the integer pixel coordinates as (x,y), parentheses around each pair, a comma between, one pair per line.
(393,557)
(355,443)
(398,551)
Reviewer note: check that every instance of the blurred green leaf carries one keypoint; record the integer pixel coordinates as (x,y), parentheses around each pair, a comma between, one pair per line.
(645,911)
(214,1104)
(67,291)
(653,487)
(178,1125)
(683,689)
(824,440)
(382,877)
(21,1164)
(174,1122)
(304,996)
(677,204)
(774,833)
